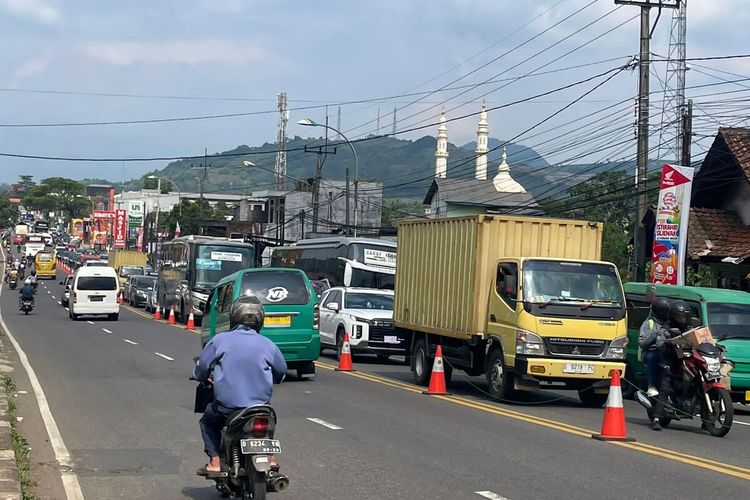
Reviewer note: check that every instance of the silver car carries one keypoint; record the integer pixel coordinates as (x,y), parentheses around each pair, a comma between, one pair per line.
(152,297)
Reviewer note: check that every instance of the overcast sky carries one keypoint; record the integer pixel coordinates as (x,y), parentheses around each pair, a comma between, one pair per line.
(319,52)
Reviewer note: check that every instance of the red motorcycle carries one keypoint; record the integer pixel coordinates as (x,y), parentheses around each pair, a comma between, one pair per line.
(697,389)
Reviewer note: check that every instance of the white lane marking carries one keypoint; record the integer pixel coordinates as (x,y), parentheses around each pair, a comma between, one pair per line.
(54,298)
(107,331)
(59,302)
(322,422)
(491,495)
(164,356)
(65,308)
(741,423)
(89,322)
(48,291)
(62,455)
(130,341)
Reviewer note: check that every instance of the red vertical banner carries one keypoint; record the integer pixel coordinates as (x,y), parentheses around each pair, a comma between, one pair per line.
(121,228)
(139,239)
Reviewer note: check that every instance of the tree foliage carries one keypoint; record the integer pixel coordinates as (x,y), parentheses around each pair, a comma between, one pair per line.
(608,197)
(190,213)
(58,194)
(8,213)
(395,209)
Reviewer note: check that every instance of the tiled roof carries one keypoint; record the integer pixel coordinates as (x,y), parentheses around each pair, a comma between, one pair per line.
(738,141)
(717,233)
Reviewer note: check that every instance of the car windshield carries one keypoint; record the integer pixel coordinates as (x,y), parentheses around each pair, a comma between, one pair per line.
(213,262)
(131,271)
(729,321)
(144,283)
(572,283)
(97,283)
(358,300)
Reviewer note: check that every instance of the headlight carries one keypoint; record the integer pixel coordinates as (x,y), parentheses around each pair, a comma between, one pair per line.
(528,343)
(617,347)
(712,364)
(360,320)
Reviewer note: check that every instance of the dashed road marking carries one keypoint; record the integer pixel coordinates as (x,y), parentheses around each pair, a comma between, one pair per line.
(322,422)
(54,298)
(164,356)
(130,342)
(89,322)
(491,495)
(60,302)
(48,291)
(741,423)
(106,331)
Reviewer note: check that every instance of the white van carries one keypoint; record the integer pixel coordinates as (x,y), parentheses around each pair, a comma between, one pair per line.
(94,291)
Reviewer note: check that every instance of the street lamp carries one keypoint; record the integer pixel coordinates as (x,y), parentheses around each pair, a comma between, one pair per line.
(308,122)
(158,188)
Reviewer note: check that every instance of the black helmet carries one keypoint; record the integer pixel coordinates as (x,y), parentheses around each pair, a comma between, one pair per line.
(679,313)
(660,308)
(248,311)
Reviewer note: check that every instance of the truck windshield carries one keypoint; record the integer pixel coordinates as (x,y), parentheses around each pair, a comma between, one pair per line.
(213,262)
(371,279)
(729,321)
(574,283)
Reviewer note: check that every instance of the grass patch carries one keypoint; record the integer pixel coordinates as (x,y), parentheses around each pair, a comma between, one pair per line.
(20,445)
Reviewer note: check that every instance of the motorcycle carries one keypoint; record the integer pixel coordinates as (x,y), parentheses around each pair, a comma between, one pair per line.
(246,449)
(696,389)
(12,283)
(27,306)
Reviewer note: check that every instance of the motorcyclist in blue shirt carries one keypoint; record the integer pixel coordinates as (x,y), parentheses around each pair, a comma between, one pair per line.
(243,366)
(26,292)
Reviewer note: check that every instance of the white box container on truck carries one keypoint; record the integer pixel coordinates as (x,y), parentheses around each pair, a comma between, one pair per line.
(523,300)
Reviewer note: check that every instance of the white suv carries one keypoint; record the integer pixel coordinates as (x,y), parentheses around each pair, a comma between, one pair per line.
(366,314)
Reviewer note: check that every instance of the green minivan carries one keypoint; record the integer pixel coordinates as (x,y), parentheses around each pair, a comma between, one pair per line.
(291,305)
(726,312)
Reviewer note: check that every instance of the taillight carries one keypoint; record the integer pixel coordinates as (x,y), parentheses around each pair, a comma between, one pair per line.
(316,317)
(258,426)
(75,297)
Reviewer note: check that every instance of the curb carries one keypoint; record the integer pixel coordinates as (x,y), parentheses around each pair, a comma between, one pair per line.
(10,486)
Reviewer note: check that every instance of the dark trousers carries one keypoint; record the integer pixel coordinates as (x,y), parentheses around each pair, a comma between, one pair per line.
(651,359)
(211,423)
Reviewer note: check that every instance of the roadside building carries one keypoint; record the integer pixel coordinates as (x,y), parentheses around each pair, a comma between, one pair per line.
(719,226)
(449,197)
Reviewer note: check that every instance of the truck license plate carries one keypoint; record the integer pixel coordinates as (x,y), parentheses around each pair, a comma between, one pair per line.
(260,446)
(747,396)
(578,368)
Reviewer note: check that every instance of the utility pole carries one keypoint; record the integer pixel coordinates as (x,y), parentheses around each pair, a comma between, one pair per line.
(279,170)
(638,267)
(319,151)
(378,125)
(338,121)
(393,132)
(348,229)
(687,134)
(204,166)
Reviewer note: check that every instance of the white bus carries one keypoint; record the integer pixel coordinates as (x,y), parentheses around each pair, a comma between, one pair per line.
(355,262)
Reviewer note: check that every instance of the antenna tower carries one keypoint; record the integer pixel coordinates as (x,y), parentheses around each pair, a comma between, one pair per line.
(279,170)
(674,85)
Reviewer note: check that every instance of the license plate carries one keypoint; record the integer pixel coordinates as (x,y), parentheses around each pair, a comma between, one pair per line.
(747,396)
(390,339)
(260,446)
(578,368)
(96,298)
(279,321)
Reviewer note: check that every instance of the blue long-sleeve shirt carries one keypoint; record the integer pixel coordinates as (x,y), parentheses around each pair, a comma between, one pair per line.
(245,366)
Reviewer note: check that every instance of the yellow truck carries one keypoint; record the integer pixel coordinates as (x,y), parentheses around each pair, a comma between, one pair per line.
(127,263)
(524,301)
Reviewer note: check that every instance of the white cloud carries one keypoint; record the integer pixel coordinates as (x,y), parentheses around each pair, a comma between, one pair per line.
(191,52)
(32,67)
(224,6)
(34,9)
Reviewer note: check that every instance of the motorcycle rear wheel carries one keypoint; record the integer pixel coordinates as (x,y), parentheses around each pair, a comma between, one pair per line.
(718,422)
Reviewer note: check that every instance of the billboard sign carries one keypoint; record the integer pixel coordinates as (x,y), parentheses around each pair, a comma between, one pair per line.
(121,227)
(670,235)
(135,213)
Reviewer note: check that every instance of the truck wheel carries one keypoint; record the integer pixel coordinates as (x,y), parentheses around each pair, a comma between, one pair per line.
(591,399)
(422,364)
(499,380)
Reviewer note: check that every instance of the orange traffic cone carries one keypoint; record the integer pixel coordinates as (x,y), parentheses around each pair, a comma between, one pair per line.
(613,425)
(191,322)
(120,299)
(170,319)
(345,360)
(157,312)
(437,379)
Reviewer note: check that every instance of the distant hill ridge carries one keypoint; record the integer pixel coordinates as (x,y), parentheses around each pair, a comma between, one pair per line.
(405,167)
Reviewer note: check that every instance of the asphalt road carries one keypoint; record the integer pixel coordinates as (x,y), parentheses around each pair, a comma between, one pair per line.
(121,398)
